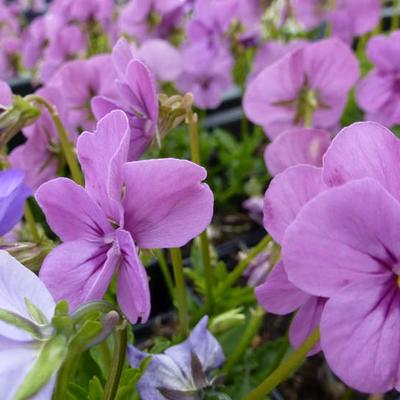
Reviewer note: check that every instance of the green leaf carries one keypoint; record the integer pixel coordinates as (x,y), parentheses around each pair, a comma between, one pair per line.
(35,313)
(48,362)
(22,323)
(95,389)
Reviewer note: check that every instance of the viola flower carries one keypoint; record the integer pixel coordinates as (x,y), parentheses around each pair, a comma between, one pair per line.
(285,197)
(344,245)
(125,206)
(254,205)
(258,269)
(96,76)
(347,18)
(207,73)
(378,93)
(296,146)
(154,18)
(39,156)
(270,52)
(13,194)
(314,79)
(182,371)
(24,295)
(136,96)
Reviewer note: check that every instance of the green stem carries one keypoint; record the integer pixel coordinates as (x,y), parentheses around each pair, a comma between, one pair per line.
(66,145)
(105,355)
(308,117)
(240,268)
(177,264)
(395,20)
(285,369)
(65,373)
(248,335)
(192,122)
(165,271)
(121,342)
(30,220)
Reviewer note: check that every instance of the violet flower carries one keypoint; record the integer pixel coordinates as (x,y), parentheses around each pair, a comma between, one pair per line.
(182,370)
(153,18)
(347,18)
(23,294)
(207,73)
(39,156)
(13,194)
(285,197)
(136,96)
(378,93)
(344,245)
(96,76)
(125,206)
(296,146)
(314,79)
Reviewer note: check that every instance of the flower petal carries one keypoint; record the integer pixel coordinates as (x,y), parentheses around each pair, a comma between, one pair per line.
(79,271)
(279,296)
(71,213)
(18,283)
(296,146)
(305,321)
(343,235)
(102,154)
(166,204)
(287,194)
(360,334)
(133,287)
(364,149)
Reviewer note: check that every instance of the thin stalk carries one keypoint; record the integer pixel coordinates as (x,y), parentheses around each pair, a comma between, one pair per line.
(166,272)
(240,268)
(285,369)
(121,342)
(66,145)
(395,20)
(192,122)
(248,335)
(105,355)
(177,264)
(30,220)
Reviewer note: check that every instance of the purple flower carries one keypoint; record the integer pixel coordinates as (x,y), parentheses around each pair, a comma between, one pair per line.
(96,77)
(183,369)
(343,245)
(13,194)
(38,157)
(207,73)
(378,93)
(287,194)
(254,205)
(348,18)
(136,96)
(270,52)
(316,77)
(296,146)
(153,18)
(143,204)
(5,96)
(21,291)
(258,269)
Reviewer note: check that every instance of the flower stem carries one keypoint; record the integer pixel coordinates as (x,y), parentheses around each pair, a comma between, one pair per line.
(166,272)
(192,122)
(30,220)
(63,135)
(285,369)
(248,335)
(177,264)
(121,341)
(239,269)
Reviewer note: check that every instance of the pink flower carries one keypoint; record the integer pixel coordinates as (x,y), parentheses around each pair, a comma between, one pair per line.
(315,78)
(124,206)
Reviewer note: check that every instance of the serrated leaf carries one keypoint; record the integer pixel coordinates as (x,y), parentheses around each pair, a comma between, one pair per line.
(48,362)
